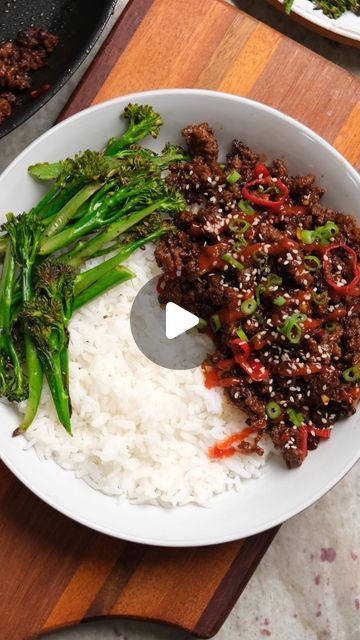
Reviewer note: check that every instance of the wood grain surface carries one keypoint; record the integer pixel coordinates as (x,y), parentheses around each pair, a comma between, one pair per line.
(54,572)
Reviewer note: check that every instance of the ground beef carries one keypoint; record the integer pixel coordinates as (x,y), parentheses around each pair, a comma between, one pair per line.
(17,59)
(6,100)
(34,37)
(242,159)
(298,335)
(201,141)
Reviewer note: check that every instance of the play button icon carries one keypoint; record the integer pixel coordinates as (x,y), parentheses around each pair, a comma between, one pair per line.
(178,320)
(167,336)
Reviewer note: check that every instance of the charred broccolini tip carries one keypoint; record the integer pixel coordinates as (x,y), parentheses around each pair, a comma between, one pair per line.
(87,166)
(136,156)
(142,121)
(143,228)
(43,318)
(171,153)
(24,231)
(55,279)
(174,201)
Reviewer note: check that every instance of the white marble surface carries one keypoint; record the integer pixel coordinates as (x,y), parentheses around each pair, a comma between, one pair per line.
(296,591)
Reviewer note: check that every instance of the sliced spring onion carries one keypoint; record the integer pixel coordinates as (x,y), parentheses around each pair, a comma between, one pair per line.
(239,227)
(233,177)
(312,263)
(202,324)
(273,410)
(307,236)
(260,318)
(258,291)
(273,279)
(245,207)
(249,306)
(232,261)
(330,326)
(279,301)
(261,258)
(352,374)
(215,323)
(241,334)
(323,233)
(291,327)
(297,419)
(326,232)
(239,243)
(271,189)
(322,298)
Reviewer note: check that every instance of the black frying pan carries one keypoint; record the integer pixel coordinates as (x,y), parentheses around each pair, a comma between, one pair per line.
(78,23)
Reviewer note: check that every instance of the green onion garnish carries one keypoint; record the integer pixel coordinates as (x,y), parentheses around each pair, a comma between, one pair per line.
(202,324)
(258,291)
(241,334)
(323,233)
(274,279)
(215,323)
(330,327)
(233,177)
(232,261)
(312,263)
(297,419)
(326,232)
(279,301)
(307,237)
(291,327)
(261,258)
(259,317)
(322,298)
(249,306)
(245,207)
(239,227)
(352,374)
(273,410)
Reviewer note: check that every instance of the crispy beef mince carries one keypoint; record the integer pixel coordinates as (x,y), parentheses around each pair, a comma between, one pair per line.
(275,276)
(17,59)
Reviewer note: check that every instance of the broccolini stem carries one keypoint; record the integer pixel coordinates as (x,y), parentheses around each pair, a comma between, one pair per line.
(33,364)
(7,279)
(111,279)
(15,387)
(55,378)
(3,245)
(103,215)
(35,379)
(66,213)
(49,195)
(87,278)
(85,250)
(61,197)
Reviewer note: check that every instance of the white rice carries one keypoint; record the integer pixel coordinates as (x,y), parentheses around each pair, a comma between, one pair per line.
(141,432)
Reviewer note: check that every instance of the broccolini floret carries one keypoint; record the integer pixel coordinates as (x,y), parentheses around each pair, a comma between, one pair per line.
(142,121)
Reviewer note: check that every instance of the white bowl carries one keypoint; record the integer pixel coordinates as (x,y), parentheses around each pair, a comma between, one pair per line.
(279,493)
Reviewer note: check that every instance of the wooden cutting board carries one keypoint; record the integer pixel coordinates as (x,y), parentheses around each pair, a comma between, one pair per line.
(54,572)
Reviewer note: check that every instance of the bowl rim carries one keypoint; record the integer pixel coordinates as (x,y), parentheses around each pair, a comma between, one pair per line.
(299,507)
